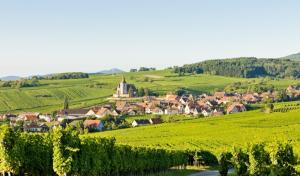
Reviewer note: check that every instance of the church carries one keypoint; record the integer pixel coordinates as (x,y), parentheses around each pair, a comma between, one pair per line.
(125,90)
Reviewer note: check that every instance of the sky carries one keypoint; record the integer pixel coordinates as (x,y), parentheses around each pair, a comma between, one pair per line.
(51,36)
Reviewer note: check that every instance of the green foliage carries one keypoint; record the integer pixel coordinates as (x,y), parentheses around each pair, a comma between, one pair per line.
(244,67)
(66,103)
(22,153)
(65,148)
(240,160)
(225,163)
(66,154)
(205,158)
(249,87)
(259,160)
(73,75)
(283,159)
(20,83)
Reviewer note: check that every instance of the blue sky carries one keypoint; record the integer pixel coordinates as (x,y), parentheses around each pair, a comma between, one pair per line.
(38,37)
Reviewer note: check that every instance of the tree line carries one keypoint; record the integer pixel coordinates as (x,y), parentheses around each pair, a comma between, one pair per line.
(71,75)
(20,83)
(245,67)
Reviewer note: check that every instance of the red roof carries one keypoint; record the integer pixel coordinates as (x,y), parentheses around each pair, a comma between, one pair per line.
(91,123)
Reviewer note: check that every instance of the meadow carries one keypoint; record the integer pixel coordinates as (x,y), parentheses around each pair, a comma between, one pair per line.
(215,134)
(95,90)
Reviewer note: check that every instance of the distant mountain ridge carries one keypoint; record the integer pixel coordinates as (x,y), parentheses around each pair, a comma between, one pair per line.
(292,57)
(111,71)
(10,78)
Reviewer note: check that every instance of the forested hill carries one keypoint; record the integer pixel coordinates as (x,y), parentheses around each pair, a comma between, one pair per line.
(246,67)
(295,57)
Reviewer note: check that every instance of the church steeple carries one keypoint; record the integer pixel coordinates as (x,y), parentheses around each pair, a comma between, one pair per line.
(123,79)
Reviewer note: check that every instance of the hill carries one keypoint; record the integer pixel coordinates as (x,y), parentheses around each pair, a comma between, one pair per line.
(111,71)
(10,78)
(49,95)
(295,57)
(245,67)
(214,134)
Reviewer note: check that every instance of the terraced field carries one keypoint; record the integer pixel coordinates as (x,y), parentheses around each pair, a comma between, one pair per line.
(49,96)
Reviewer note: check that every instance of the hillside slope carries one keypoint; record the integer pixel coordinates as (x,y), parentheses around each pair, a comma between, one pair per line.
(295,57)
(94,90)
(214,134)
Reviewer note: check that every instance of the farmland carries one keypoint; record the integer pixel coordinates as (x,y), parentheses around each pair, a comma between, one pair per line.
(215,134)
(94,90)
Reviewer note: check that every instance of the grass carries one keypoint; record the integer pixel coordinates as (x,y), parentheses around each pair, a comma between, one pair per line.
(50,95)
(215,134)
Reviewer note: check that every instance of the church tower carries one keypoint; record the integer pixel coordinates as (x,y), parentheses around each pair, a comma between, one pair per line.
(123,87)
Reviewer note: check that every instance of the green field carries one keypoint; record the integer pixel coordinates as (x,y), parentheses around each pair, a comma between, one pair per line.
(215,134)
(50,95)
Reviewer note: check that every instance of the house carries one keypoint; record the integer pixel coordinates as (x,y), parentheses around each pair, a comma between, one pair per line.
(93,125)
(8,117)
(34,127)
(290,88)
(189,109)
(219,94)
(206,113)
(29,116)
(235,108)
(93,111)
(103,112)
(172,111)
(217,112)
(172,97)
(140,122)
(121,105)
(250,98)
(45,117)
(157,120)
(73,112)
(131,112)
(157,111)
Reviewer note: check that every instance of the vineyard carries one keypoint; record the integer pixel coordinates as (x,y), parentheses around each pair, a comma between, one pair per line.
(94,90)
(63,152)
(216,134)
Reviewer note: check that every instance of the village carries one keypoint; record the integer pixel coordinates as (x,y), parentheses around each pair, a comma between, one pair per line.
(121,106)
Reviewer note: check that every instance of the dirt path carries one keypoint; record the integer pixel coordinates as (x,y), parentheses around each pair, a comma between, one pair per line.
(209,173)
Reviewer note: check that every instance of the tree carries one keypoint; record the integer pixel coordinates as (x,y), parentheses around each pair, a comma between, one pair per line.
(269,107)
(146,92)
(131,92)
(225,163)
(66,103)
(141,92)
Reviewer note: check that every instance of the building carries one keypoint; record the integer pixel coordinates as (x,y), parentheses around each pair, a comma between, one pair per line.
(93,125)
(122,90)
(141,122)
